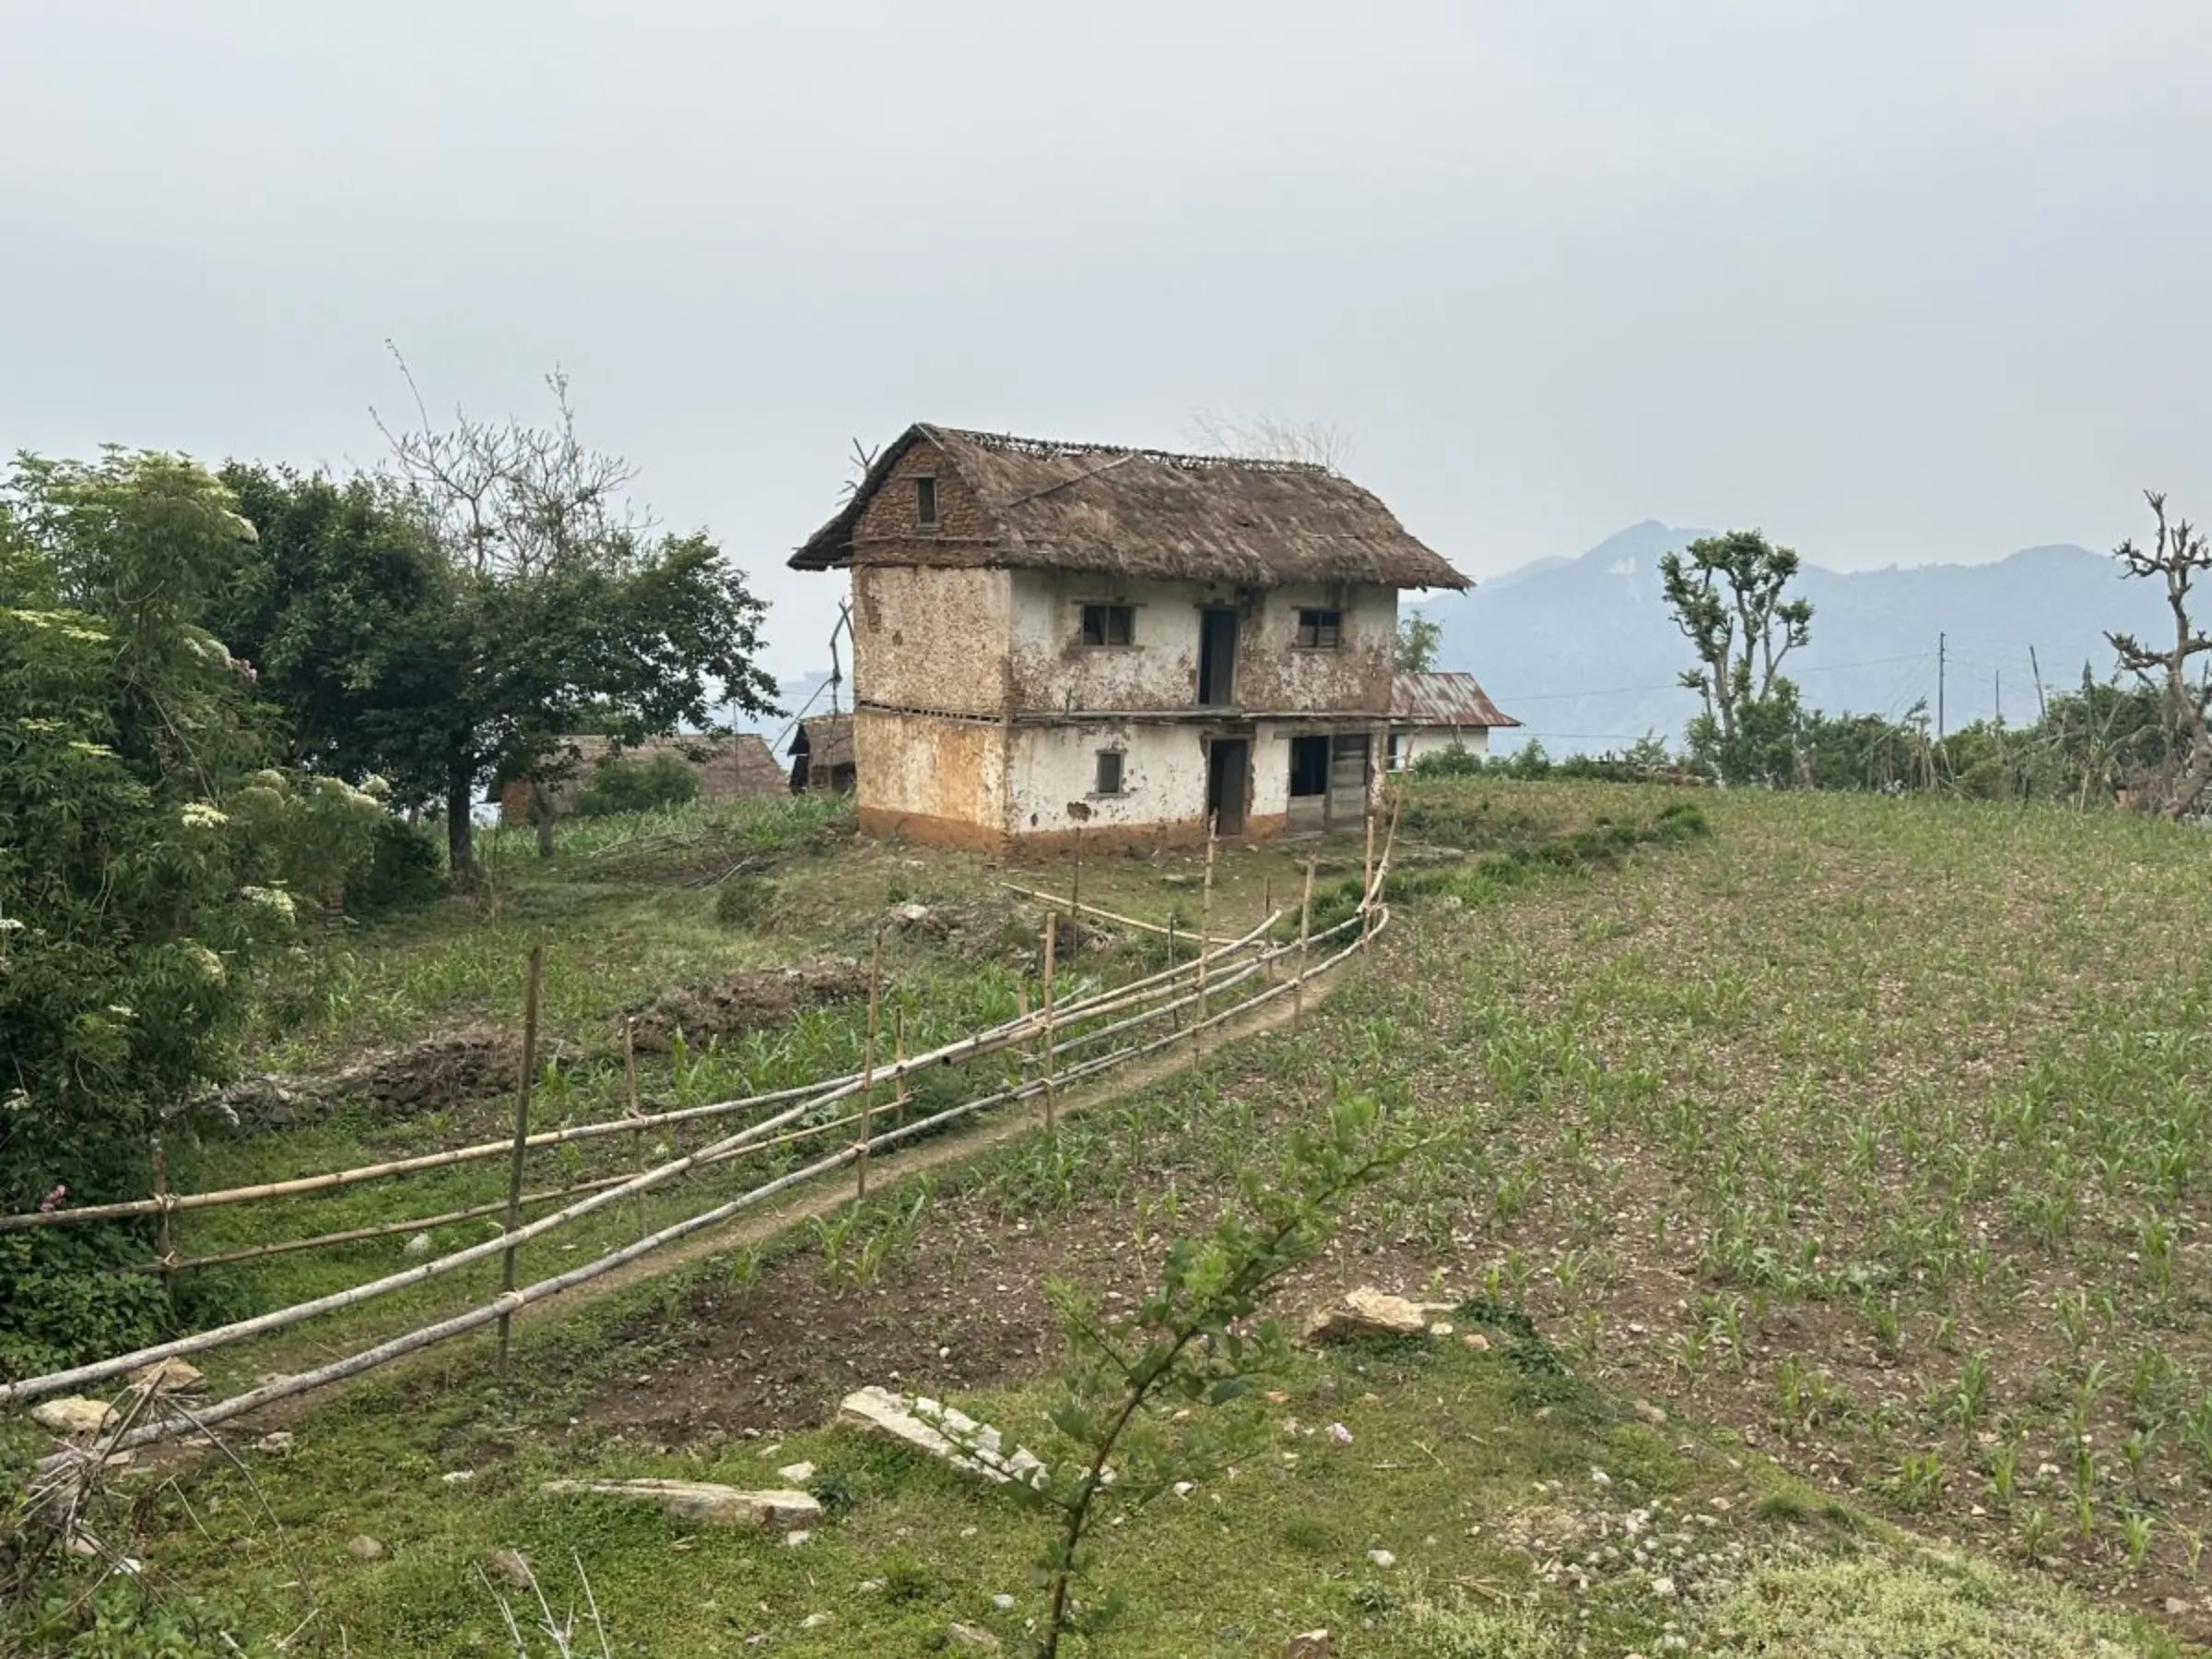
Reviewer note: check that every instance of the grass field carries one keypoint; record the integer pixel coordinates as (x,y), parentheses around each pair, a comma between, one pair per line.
(1862,1143)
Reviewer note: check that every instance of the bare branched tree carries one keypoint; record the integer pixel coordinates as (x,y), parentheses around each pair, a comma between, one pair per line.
(1265,437)
(2178,556)
(508,498)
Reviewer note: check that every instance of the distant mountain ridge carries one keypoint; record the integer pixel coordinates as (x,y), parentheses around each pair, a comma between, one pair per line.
(1583,652)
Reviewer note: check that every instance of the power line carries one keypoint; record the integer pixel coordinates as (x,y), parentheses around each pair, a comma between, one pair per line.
(1676,685)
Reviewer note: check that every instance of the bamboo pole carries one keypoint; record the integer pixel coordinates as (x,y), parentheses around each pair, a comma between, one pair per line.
(731,1146)
(1074,903)
(1367,865)
(630,1079)
(1305,930)
(1006,1034)
(1091,910)
(165,1250)
(867,1087)
(397,1348)
(1205,932)
(522,1136)
(382,1229)
(899,1101)
(1052,941)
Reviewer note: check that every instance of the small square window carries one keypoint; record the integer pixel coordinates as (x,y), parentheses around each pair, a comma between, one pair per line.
(925,502)
(1109,624)
(1321,629)
(1109,772)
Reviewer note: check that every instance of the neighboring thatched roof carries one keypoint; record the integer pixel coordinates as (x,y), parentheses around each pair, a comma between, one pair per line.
(729,765)
(1443,699)
(1145,514)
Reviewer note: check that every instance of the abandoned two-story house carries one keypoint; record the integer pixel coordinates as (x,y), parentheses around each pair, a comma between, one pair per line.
(1050,638)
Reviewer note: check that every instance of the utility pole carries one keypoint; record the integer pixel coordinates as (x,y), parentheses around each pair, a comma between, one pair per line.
(1996,680)
(1941,657)
(2043,709)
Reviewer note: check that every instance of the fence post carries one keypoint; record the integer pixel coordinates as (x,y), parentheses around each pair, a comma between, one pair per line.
(1305,930)
(1074,897)
(1367,870)
(868,1071)
(1052,943)
(637,1136)
(1206,937)
(522,1139)
(898,1058)
(164,1247)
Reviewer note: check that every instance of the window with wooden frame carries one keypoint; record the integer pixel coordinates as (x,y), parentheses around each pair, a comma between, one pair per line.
(1109,625)
(925,503)
(1320,630)
(1109,778)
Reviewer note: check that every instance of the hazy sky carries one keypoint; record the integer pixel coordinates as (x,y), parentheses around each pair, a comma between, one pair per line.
(1901,283)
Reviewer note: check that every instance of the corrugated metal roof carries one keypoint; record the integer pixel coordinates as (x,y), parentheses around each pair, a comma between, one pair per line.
(1443,699)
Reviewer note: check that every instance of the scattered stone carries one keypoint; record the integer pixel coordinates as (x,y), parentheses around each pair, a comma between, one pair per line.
(1370,1312)
(815,1621)
(419,1245)
(1003,1602)
(1476,1340)
(796,1475)
(2176,1606)
(945,1433)
(1183,1489)
(1440,1328)
(1312,1644)
(73,1414)
(1648,1412)
(514,1567)
(362,1548)
(168,1376)
(970,1639)
(278,1443)
(458,1477)
(1383,1558)
(701,1500)
(1663,1588)
(797,1538)
(1599,1478)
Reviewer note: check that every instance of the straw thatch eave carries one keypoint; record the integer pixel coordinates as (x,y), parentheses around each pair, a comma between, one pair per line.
(1146,515)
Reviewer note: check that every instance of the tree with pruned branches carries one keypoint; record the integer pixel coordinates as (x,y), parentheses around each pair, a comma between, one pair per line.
(1730,597)
(2177,556)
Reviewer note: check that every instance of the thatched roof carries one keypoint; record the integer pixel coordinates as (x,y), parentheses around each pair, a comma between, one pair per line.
(1443,699)
(1146,514)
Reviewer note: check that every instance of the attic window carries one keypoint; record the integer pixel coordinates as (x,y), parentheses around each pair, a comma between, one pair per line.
(1320,630)
(925,503)
(1108,781)
(1109,625)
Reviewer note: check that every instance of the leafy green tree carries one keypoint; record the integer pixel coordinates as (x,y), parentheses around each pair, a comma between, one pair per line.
(1729,596)
(621,785)
(145,858)
(452,622)
(1417,640)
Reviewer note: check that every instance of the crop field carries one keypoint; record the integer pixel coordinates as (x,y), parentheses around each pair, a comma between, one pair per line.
(1828,1191)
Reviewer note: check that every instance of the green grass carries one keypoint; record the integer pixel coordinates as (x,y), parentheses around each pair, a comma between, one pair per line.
(1867,1133)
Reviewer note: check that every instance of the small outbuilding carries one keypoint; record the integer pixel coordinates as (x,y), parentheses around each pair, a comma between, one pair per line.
(821,755)
(1435,713)
(728,765)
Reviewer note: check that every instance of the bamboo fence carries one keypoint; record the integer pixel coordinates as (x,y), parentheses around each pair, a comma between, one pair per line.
(1067,1043)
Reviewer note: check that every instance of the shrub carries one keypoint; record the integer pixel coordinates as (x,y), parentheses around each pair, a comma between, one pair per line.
(625,785)
(405,869)
(744,900)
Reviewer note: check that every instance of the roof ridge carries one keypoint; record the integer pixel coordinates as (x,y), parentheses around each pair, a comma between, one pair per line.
(1069,449)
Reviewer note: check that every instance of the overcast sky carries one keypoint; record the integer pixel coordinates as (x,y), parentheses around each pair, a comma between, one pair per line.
(1897,282)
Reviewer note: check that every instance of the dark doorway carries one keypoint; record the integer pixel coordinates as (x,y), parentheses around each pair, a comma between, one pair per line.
(1217,657)
(1228,760)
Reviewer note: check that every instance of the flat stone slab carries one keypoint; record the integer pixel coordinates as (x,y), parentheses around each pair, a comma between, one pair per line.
(701,1500)
(948,1435)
